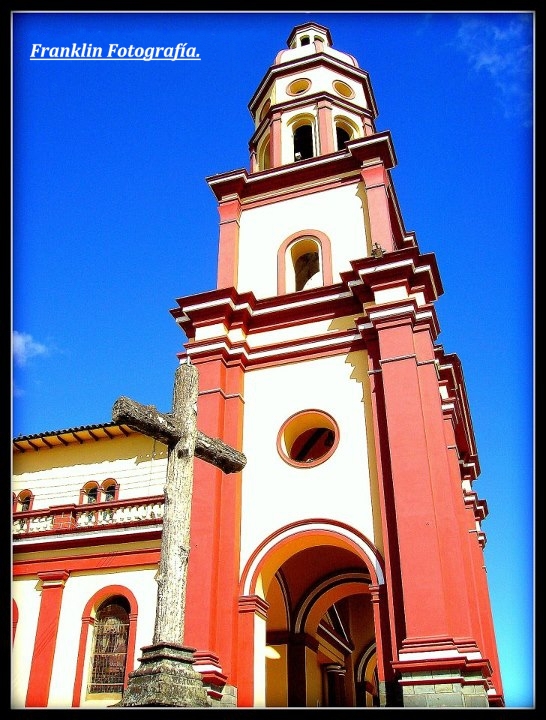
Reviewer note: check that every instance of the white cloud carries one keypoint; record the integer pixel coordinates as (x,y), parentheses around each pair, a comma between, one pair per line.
(506,55)
(25,347)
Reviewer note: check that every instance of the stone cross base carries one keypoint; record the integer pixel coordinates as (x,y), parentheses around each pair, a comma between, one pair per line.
(166,678)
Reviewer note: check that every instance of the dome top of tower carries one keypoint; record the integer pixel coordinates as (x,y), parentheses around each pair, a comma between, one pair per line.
(308,39)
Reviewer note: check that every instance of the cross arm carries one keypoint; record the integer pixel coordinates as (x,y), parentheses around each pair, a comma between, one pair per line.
(147,420)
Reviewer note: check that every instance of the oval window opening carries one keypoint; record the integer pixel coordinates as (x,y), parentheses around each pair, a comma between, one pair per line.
(343,89)
(308,438)
(298,86)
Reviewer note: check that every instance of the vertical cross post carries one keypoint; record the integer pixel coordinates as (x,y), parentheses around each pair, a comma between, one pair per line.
(166,676)
(175,545)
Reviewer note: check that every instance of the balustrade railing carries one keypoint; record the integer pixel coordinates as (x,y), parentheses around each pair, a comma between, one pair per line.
(75,517)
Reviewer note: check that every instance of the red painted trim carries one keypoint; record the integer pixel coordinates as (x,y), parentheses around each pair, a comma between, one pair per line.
(388,625)
(14,619)
(228,249)
(88,620)
(212,585)
(226,305)
(319,185)
(305,65)
(377,183)
(325,127)
(275,148)
(248,607)
(41,666)
(419,465)
(319,532)
(281,179)
(227,353)
(383,637)
(95,560)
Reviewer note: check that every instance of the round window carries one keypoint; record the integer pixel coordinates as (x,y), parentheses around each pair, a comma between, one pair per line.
(298,86)
(308,438)
(343,89)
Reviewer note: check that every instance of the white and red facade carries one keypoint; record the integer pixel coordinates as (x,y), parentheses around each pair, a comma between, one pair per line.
(344,565)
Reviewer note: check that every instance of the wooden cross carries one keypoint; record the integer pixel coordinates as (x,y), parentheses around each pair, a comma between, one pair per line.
(178,430)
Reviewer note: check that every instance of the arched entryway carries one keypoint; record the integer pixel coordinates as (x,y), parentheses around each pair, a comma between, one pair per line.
(319,586)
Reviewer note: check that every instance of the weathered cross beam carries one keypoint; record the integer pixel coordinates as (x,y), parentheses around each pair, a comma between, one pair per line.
(166,676)
(165,428)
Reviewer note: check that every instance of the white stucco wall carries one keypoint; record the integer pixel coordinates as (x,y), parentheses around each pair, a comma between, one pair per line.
(55,476)
(28,603)
(321,78)
(275,493)
(336,212)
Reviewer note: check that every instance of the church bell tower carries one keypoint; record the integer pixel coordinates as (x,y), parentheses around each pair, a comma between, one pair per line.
(343,567)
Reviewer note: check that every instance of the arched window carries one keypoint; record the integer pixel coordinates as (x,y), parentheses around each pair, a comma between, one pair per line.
(304,261)
(342,136)
(306,264)
(85,676)
(23,501)
(303,142)
(345,131)
(109,490)
(264,160)
(89,494)
(109,649)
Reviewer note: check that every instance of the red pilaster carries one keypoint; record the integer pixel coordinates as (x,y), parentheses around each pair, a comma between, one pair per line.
(253,160)
(419,548)
(464,470)
(382,635)
(325,126)
(394,602)
(249,606)
(228,250)
(466,526)
(275,147)
(213,568)
(447,498)
(421,495)
(46,637)
(376,181)
(483,602)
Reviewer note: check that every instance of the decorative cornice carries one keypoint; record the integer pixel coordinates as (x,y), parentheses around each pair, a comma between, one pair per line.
(304,65)
(240,184)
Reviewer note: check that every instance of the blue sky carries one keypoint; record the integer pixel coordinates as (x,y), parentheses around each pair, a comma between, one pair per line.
(113,220)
